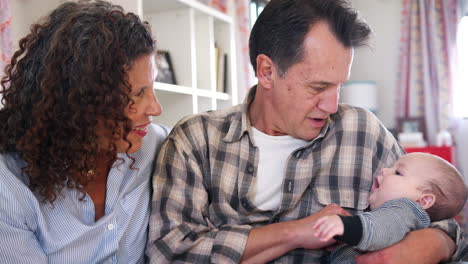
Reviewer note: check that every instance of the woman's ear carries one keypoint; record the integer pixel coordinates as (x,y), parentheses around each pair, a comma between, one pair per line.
(426,200)
(265,68)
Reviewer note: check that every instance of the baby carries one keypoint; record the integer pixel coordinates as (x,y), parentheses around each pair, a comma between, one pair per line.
(419,189)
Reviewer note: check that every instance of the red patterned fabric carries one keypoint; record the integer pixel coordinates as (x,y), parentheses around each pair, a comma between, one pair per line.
(244,68)
(5,35)
(221,5)
(443,152)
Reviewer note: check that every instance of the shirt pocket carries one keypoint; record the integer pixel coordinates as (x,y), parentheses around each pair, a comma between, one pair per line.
(347,185)
(352,201)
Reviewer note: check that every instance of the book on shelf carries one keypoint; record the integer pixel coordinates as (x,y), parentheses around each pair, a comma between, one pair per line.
(225,73)
(221,63)
(216,61)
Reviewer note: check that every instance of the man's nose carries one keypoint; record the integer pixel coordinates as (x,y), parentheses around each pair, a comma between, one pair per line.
(329,101)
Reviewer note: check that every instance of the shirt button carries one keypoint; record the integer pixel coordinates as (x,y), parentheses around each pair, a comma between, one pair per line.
(290,185)
(298,154)
(110,226)
(250,169)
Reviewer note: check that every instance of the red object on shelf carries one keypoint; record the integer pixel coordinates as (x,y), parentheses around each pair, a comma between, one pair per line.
(444,152)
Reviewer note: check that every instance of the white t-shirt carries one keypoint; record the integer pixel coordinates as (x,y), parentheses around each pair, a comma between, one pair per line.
(274,152)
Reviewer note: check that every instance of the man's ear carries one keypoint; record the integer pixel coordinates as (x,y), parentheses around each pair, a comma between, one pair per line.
(426,200)
(265,68)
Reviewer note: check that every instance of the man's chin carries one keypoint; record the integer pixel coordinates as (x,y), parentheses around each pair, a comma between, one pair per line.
(310,136)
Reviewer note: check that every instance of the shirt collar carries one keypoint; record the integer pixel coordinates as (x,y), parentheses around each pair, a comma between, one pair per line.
(238,123)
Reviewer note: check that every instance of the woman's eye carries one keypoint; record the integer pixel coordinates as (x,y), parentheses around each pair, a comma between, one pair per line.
(397,172)
(141,92)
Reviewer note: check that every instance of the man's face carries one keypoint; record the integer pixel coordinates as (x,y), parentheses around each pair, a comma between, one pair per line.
(308,93)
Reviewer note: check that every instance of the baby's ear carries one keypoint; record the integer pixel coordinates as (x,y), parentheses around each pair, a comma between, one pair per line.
(426,200)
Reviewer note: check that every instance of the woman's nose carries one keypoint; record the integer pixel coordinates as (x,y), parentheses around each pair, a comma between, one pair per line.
(154,107)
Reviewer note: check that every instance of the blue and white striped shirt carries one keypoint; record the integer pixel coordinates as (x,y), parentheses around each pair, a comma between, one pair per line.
(35,232)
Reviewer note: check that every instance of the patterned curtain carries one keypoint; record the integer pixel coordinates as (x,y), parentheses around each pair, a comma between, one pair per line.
(427,62)
(244,68)
(5,35)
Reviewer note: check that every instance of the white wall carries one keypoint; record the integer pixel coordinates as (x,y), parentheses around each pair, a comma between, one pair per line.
(379,62)
(461,155)
(26,12)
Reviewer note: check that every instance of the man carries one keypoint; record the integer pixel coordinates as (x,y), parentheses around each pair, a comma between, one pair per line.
(247,183)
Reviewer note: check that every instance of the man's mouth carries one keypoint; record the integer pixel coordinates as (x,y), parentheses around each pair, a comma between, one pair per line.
(318,122)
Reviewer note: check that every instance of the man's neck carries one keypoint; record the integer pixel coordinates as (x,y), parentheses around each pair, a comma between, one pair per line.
(260,111)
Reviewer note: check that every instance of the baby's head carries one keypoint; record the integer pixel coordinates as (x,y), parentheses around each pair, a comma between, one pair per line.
(427,179)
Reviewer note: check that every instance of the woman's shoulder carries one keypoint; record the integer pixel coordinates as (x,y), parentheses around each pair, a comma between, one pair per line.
(14,185)
(154,138)
(11,166)
(158,131)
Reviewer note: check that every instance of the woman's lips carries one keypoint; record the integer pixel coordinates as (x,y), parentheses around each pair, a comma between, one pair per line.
(141,130)
(141,133)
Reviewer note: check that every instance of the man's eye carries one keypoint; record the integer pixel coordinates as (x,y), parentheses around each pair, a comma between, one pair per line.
(397,172)
(316,90)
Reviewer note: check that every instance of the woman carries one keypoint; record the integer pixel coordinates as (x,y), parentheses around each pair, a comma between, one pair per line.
(76,140)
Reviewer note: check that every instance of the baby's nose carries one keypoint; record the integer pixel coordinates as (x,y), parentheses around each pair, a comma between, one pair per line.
(383,171)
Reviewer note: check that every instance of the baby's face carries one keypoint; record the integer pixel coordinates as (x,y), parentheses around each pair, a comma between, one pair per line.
(403,180)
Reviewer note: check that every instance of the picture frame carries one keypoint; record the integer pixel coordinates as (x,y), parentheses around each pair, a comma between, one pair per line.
(411,125)
(165,68)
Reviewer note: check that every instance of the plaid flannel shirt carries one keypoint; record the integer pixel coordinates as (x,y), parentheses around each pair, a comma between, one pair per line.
(201,212)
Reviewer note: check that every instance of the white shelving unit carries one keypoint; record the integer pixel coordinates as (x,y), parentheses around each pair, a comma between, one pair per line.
(189,30)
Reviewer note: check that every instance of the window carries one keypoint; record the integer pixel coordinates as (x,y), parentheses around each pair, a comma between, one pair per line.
(461,90)
(256,7)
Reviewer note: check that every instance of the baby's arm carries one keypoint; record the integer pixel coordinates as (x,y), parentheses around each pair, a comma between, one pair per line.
(388,224)
(347,229)
(374,230)
(328,226)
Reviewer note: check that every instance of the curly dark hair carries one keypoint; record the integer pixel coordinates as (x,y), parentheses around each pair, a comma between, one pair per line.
(71,68)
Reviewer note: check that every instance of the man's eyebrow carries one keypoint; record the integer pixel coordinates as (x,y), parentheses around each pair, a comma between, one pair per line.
(320,83)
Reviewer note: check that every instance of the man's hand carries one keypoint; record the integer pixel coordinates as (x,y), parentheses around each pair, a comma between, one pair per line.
(269,242)
(328,226)
(423,246)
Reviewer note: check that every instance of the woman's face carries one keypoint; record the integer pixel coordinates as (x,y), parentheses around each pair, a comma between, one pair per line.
(141,77)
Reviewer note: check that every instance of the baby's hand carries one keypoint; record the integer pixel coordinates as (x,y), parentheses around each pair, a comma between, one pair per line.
(327,227)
